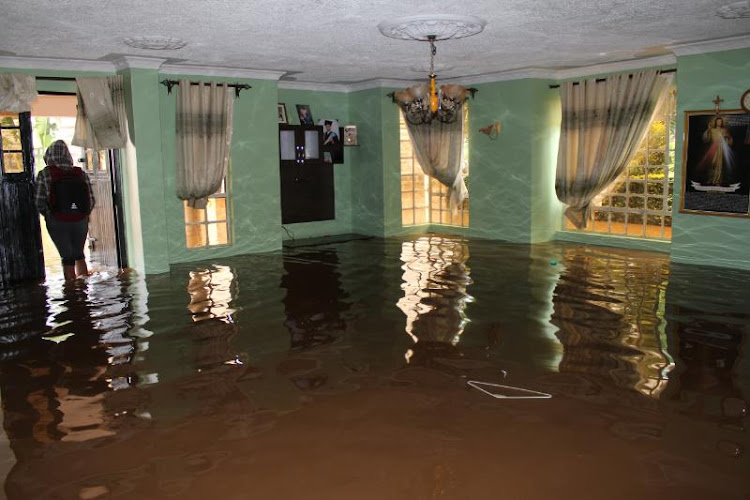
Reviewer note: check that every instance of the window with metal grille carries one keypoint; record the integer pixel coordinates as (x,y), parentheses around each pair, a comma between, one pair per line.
(209,226)
(639,203)
(425,200)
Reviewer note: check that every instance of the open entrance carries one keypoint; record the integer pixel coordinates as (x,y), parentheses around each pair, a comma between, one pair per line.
(53,117)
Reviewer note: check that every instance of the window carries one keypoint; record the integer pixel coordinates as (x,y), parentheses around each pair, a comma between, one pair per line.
(11,159)
(425,200)
(209,226)
(639,203)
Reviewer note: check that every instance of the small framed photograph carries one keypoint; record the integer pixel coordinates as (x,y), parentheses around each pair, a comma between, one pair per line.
(305,115)
(716,163)
(333,149)
(281,109)
(350,135)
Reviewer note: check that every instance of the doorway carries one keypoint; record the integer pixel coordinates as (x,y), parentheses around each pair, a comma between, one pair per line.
(53,117)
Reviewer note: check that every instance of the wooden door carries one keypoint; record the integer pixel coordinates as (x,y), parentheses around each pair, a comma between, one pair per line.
(21,256)
(105,223)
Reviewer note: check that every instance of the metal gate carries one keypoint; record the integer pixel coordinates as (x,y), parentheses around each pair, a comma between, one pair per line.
(106,245)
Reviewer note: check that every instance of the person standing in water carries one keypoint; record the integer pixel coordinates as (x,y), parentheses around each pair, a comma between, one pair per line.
(65,197)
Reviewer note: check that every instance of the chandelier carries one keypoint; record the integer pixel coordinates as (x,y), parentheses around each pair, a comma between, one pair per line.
(427,102)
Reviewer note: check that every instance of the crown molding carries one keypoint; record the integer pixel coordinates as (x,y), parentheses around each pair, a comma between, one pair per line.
(315,86)
(716,45)
(196,69)
(501,76)
(46,63)
(137,62)
(346,87)
(382,83)
(615,67)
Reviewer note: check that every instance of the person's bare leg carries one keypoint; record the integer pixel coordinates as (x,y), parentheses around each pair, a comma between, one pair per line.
(69,272)
(81,269)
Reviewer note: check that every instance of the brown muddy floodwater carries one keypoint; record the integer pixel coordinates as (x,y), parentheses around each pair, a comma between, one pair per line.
(340,371)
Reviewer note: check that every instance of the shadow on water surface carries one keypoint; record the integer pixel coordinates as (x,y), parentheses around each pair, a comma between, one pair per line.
(344,365)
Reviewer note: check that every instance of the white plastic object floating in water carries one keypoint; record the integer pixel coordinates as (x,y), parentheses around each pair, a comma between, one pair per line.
(511,392)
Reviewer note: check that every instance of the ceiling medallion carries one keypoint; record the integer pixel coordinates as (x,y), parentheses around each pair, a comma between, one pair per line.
(155,42)
(432,27)
(737,10)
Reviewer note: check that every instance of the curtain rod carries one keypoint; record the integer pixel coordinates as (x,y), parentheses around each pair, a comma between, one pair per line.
(56,78)
(238,87)
(604,79)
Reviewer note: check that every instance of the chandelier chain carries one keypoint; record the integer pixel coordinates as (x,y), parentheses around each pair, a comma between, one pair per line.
(433,51)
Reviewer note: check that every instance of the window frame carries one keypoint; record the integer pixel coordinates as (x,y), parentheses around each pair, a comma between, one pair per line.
(222,193)
(24,128)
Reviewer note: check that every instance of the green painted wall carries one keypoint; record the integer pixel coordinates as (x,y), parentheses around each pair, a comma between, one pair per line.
(325,105)
(511,183)
(391,164)
(376,183)
(512,177)
(368,214)
(142,94)
(254,174)
(500,187)
(709,239)
(546,209)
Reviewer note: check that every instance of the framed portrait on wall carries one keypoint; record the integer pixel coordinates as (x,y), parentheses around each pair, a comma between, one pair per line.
(333,147)
(716,163)
(281,108)
(305,115)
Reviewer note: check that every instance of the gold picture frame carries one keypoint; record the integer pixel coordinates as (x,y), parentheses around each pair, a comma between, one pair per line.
(716,163)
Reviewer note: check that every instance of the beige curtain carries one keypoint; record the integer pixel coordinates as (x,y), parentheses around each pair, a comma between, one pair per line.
(16,92)
(101,122)
(602,125)
(204,136)
(438,147)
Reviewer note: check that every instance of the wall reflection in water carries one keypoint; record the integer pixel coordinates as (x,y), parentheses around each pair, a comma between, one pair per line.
(435,281)
(610,315)
(314,300)
(72,378)
(709,336)
(640,347)
(211,294)
(676,334)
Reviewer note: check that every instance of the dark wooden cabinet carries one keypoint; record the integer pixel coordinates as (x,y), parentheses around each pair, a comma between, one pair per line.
(307,192)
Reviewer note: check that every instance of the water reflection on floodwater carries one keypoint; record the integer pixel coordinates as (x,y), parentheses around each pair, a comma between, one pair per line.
(345,366)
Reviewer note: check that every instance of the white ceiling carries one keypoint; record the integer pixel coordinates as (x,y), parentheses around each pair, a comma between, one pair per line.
(337,41)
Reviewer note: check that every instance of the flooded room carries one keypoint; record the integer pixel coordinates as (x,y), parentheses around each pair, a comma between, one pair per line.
(399,250)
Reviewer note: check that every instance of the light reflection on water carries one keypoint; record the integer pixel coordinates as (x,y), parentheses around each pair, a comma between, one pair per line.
(435,282)
(611,320)
(266,335)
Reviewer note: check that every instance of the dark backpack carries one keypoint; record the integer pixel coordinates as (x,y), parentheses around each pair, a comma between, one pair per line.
(69,196)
